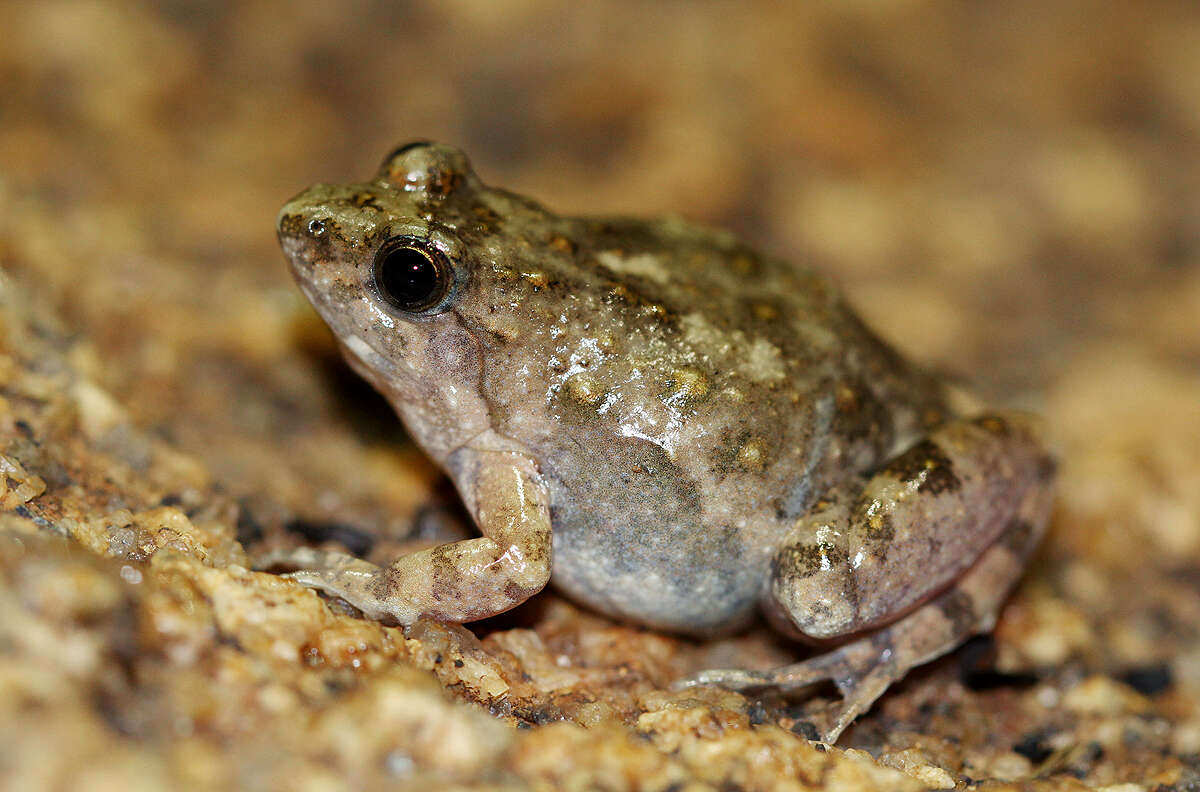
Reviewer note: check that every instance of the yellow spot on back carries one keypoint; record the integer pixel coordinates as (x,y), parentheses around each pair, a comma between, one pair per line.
(688,384)
(751,455)
(642,265)
(584,389)
(536,279)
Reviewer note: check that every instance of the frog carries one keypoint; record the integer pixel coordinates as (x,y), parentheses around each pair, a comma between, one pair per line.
(679,431)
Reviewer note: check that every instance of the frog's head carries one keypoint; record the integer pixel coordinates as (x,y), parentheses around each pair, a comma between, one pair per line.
(394,267)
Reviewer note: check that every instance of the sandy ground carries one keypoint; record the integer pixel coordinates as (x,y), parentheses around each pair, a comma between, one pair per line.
(1009,191)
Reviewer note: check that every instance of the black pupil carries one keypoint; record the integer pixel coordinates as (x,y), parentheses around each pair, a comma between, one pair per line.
(409,278)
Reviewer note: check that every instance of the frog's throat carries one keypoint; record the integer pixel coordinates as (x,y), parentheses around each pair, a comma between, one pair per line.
(440,417)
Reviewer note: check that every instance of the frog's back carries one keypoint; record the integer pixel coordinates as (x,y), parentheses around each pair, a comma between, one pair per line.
(688,398)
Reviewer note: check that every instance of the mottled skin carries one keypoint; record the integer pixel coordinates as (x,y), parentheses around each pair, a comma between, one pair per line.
(680,428)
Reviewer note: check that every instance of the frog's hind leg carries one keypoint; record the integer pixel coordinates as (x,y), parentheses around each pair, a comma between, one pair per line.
(908,561)
(864,668)
(874,549)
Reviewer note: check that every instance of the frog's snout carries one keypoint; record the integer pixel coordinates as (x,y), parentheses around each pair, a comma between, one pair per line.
(291,230)
(301,216)
(306,232)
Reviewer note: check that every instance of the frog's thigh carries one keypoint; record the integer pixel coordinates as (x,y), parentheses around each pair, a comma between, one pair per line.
(459,581)
(864,668)
(863,557)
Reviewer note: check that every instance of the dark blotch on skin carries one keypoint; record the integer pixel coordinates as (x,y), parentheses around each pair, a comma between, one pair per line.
(820,610)
(291,225)
(880,529)
(1018,536)
(365,200)
(324,247)
(795,561)
(884,532)
(803,560)
(1047,467)
(959,608)
(862,419)
(724,458)
(925,460)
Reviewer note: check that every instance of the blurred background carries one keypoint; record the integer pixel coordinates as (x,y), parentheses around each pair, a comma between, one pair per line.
(1000,186)
(1003,188)
(1009,190)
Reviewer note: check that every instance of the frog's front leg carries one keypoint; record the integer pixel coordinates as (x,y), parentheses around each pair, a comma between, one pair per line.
(456,582)
(915,560)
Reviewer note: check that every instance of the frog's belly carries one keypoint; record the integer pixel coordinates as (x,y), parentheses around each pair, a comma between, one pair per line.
(699,588)
(629,540)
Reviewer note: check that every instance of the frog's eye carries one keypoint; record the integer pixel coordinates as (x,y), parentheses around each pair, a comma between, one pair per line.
(411,275)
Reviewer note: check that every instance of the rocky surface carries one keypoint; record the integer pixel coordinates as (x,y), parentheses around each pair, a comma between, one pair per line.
(1009,191)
